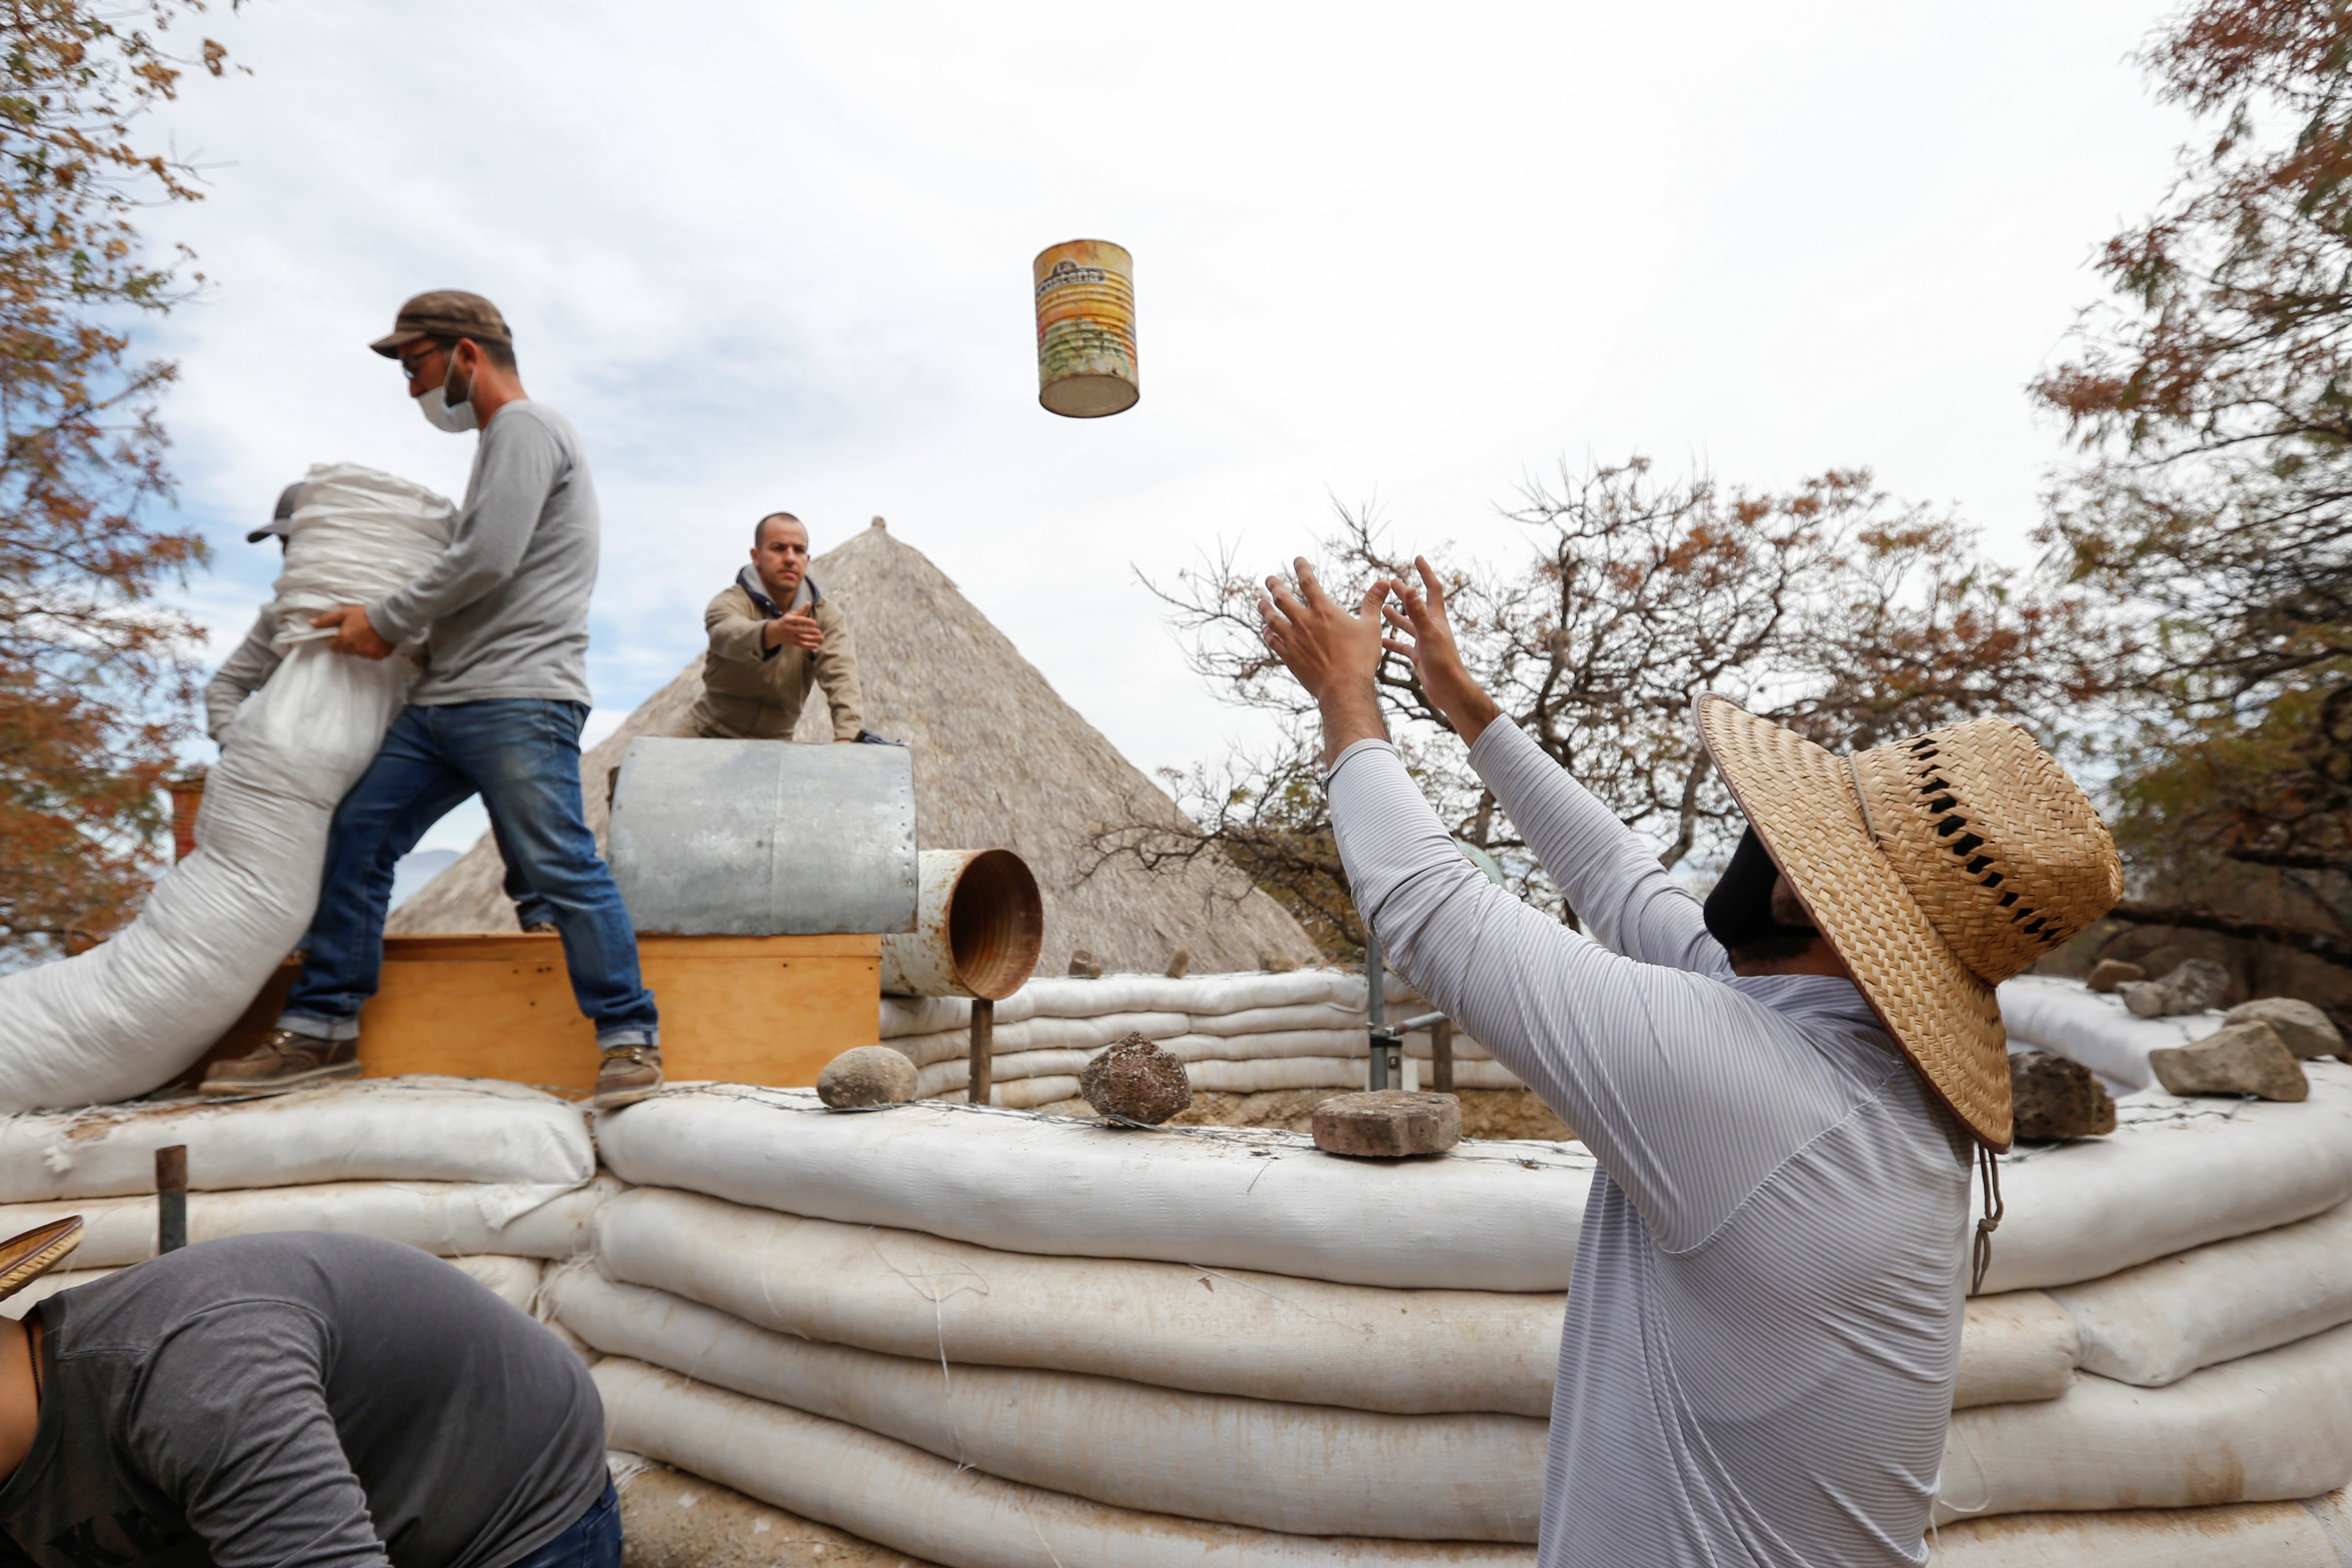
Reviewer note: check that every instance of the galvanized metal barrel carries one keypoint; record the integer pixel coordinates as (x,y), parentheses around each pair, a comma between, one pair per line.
(978,933)
(765,837)
(1086,329)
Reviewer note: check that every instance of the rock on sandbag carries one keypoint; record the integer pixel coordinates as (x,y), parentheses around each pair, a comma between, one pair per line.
(2059,1016)
(1135,1081)
(2110,973)
(2055,1098)
(2197,985)
(2262,1428)
(1388,1125)
(1493,1216)
(891,1492)
(2173,1174)
(867,1075)
(2237,1058)
(2300,1026)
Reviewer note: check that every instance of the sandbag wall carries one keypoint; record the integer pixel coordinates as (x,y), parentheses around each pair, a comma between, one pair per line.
(1237,1034)
(496,1177)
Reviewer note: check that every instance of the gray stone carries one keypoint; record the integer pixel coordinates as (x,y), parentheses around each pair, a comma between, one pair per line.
(867,1075)
(1388,1123)
(2110,973)
(1083,965)
(1136,1079)
(2197,984)
(2241,1059)
(2056,1098)
(2301,1028)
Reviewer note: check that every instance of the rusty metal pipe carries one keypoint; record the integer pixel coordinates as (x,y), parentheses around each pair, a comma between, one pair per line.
(980,925)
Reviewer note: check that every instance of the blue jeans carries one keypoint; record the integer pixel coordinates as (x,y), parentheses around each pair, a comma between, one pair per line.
(592,1540)
(522,756)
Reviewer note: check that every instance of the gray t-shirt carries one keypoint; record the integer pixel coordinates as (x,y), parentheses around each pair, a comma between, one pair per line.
(300,1400)
(507,600)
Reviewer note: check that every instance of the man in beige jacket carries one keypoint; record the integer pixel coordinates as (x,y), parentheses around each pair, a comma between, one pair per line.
(774,637)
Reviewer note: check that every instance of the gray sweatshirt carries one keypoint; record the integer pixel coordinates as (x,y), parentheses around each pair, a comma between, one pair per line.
(1756,1366)
(300,1400)
(508,601)
(241,675)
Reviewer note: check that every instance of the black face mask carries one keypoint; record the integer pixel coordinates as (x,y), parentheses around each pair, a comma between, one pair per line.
(1739,909)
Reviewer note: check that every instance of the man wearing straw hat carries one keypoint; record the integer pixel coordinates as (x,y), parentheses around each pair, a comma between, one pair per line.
(1782,1087)
(292,1399)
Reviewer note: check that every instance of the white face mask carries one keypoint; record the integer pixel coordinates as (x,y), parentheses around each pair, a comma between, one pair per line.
(441,414)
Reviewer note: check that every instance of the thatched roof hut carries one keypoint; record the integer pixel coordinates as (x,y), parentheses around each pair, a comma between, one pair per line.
(1000,761)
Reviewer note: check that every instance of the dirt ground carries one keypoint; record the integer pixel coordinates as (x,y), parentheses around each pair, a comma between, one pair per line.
(1485,1113)
(670,1519)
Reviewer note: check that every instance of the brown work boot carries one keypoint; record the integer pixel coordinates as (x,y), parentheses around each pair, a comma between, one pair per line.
(283,1060)
(627,1074)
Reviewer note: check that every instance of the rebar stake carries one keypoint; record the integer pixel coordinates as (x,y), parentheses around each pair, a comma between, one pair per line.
(171,1198)
(983,1051)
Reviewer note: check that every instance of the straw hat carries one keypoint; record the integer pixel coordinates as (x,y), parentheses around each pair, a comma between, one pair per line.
(24,1258)
(1937,867)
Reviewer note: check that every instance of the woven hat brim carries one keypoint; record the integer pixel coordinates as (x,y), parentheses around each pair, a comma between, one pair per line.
(24,1258)
(1801,800)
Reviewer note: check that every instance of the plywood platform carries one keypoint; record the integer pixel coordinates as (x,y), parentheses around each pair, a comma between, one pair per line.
(746,1009)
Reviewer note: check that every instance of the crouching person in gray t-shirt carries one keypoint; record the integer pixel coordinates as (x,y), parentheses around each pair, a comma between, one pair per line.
(300,1400)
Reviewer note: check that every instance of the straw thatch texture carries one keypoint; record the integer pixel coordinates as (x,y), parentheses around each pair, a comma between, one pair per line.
(1000,761)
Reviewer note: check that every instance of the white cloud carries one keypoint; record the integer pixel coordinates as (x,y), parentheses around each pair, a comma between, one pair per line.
(766,255)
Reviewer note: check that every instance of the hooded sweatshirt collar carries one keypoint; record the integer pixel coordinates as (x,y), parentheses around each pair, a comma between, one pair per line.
(808,594)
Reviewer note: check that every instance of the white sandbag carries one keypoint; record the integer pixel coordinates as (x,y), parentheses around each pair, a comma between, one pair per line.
(2064,1017)
(1204,996)
(512,1280)
(476,1130)
(1485,1217)
(2176,1174)
(2157,1323)
(1275,1020)
(2233,1535)
(1334,1073)
(353,540)
(1263,1336)
(141,1006)
(1353,1042)
(900,1496)
(2266,1428)
(443,1217)
(2022,1346)
(1308,1469)
(1029,1093)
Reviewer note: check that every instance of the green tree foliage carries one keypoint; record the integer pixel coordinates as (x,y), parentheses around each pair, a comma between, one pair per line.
(95,677)
(2213,401)
(1832,608)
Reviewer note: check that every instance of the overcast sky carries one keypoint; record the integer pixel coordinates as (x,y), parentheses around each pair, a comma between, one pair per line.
(778,256)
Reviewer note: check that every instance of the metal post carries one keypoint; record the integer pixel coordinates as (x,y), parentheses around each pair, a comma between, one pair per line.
(1441,1057)
(983,1050)
(172,1198)
(1387,1069)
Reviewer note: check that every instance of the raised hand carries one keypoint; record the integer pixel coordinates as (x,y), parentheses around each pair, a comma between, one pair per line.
(1436,656)
(1333,652)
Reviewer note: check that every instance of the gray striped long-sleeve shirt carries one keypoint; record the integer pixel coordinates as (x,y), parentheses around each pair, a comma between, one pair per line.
(1762,1335)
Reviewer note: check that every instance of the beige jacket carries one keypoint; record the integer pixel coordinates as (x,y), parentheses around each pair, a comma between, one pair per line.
(755,693)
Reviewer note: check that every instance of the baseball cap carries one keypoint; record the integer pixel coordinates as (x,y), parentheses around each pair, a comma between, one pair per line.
(444,313)
(288,500)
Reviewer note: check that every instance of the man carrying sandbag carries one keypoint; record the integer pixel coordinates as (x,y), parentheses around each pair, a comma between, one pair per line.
(296,1399)
(774,639)
(497,712)
(1782,1087)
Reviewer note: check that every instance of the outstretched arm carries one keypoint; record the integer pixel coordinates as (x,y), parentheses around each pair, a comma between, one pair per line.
(1608,875)
(1688,1090)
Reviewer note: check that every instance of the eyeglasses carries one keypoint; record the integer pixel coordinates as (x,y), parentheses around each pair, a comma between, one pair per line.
(412,365)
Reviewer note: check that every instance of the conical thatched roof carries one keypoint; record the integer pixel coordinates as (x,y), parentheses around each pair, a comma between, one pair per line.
(1000,761)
